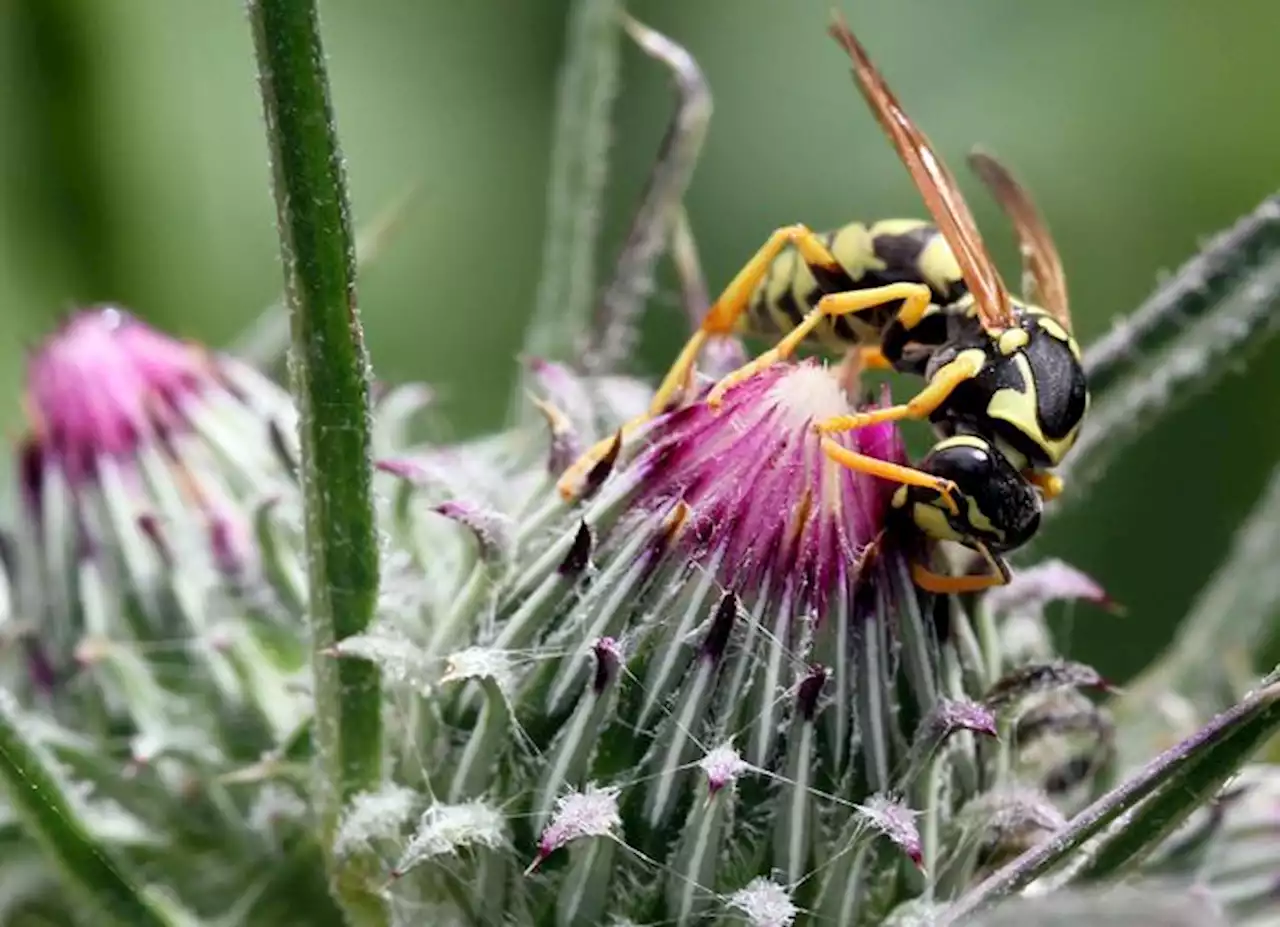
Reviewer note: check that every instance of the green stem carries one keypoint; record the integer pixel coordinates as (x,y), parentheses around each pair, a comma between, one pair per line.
(1195,787)
(1236,325)
(575,195)
(41,802)
(330,380)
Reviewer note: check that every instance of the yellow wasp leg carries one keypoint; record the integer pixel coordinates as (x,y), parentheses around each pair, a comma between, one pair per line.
(930,581)
(922,405)
(722,318)
(916,298)
(1050,484)
(870,357)
(897,473)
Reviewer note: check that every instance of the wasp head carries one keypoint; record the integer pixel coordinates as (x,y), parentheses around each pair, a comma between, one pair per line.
(995,506)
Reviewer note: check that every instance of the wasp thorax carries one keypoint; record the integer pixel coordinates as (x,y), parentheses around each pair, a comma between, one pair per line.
(994,505)
(1029,391)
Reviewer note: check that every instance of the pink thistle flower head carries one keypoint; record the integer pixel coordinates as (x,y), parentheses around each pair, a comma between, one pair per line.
(144,458)
(754,583)
(766,509)
(104,384)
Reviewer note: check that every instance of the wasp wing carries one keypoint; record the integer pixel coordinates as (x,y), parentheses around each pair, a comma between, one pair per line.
(1044,281)
(936,185)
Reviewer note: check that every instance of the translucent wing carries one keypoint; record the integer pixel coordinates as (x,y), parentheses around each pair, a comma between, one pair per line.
(1044,281)
(936,185)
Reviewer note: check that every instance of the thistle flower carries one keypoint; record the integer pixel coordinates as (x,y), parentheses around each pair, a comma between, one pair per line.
(707,687)
(138,482)
(705,691)
(156,582)
(111,401)
(718,651)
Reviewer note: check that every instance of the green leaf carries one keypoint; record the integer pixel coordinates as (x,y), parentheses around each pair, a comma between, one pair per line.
(49,814)
(1180,779)
(1192,786)
(330,381)
(1200,285)
(1220,305)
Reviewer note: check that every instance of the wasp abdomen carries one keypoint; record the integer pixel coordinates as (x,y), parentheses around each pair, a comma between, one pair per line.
(890,251)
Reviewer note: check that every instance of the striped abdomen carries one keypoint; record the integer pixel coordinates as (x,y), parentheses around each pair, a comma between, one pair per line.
(891,251)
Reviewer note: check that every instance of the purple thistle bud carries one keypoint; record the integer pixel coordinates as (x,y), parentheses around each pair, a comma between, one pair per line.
(104,385)
(144,458)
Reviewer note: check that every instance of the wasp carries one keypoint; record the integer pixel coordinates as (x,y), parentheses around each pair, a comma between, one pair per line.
(1005,389)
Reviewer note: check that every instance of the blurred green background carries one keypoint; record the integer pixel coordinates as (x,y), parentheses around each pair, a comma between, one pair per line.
(133,169)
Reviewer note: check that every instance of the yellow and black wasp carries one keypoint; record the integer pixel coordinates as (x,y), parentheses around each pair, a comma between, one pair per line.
(1005,390)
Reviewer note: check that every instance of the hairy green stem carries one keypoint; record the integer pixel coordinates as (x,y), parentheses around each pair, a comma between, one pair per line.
(1190,789)
(1199,285)
(579,168)
(267,337)
(43,804)
(1238,320)
(330,381)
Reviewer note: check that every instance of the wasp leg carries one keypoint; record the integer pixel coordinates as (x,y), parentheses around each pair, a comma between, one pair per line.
(897,473)
(723,316)
(693,290)
(870,357)
(855,361)
(930,581)
(570,482)
(1050,484)
(915,296)
(922,405)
